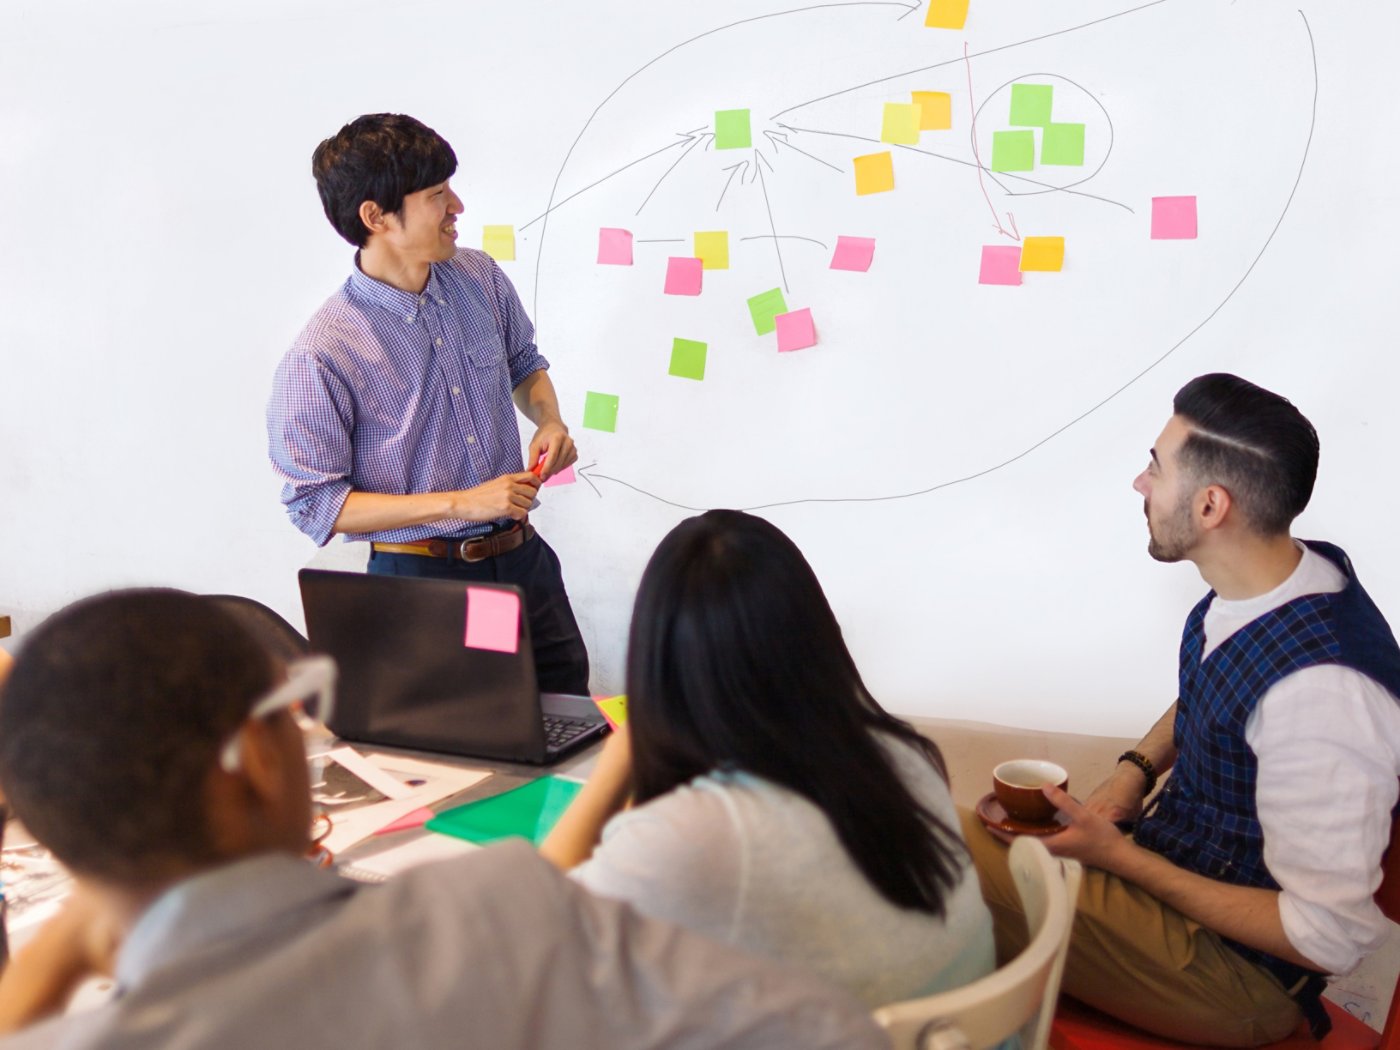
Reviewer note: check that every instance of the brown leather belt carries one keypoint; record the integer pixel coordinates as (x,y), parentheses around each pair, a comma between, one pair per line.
(475,548)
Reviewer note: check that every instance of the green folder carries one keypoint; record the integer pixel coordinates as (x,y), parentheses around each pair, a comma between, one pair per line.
(527,812)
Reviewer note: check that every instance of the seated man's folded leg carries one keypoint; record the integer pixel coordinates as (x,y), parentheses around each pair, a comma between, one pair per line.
(1136,959)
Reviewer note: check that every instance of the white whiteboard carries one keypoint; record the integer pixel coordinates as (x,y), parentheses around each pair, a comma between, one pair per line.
(953,458)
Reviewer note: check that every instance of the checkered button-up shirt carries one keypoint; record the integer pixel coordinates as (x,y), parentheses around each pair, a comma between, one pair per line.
(386,391)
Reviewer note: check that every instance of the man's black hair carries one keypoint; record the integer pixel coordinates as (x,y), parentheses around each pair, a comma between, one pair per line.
(1254,443)
(380,157)
(115,711)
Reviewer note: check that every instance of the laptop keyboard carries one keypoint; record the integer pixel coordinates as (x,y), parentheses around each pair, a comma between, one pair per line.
(560,732)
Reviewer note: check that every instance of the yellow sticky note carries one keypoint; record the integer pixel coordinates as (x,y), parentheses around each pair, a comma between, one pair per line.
(614,709)
(946,14)
(712,249)
(499,242)
(874,173)
(1043,253)
(901,124)
(935,110)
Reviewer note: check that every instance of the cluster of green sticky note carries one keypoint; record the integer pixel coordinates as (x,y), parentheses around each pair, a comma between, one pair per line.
(1061,145)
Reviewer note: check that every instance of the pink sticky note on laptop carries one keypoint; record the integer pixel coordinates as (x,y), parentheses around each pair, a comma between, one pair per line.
(683,275)
(1001,264)
(795,330)
(1173,218)
(493,620)
(564,477)
(615,246)
(853,253)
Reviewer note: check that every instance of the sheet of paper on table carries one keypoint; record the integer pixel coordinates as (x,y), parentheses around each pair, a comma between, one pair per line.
(363,793)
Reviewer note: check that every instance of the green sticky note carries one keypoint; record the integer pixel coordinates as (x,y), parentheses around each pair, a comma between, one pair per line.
(600,411)
(1030,104)
(765,306)
(688,359)
(732,129)
(1013,151)
(1062,144)
(526,812)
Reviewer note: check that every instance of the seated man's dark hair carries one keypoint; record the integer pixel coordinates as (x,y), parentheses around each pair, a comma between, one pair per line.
(1254,443)
(111,720)
(380,157)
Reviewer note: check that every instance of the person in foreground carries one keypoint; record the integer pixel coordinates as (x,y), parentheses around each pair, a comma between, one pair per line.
(145,740)
(392,417)
(1251,873)
(777,807)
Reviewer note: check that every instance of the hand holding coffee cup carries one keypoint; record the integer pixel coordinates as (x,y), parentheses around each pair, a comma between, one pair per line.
(1017,785)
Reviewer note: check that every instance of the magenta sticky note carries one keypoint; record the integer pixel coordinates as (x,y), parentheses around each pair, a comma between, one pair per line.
(1173,218)
(493,620)
(796,330)
(1001,264)
(408,821)
(683,275)
(564,477)
(853,253)
(615,246)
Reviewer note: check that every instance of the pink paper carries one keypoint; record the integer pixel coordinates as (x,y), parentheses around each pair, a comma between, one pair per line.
(853,253)
(564,477)
(408,821)
(1001,264)
(683,276)
(1173,218)
(615,246)
(795,330)
(493,620)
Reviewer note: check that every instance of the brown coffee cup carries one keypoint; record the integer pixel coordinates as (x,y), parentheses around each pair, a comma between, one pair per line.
(1017,785)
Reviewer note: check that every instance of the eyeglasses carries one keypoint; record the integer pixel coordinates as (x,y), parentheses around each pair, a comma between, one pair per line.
(310,683)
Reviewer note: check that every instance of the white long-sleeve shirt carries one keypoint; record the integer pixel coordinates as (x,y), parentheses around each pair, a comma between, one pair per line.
(1328,743)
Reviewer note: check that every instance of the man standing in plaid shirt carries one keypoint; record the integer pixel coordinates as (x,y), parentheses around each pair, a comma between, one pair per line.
(1251,874)
(392,418)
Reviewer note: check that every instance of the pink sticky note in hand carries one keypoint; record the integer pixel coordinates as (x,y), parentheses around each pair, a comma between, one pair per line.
(1001,264)
(853,253)
(683,275)
(493,620)
(408,821)
(1173,218)
(564,477)
(615,246)
(795,330)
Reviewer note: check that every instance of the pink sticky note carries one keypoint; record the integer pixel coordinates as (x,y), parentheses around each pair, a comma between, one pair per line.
(1001,264)
(564,477)
(853,253)
(493,620)
(408,821)
(683,275)
(1173,218)
(795,330)
(615,246)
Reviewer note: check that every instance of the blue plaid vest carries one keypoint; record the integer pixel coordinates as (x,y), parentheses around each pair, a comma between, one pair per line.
(1204,819)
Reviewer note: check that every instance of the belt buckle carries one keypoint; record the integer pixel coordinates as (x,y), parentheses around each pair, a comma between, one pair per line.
(465,552)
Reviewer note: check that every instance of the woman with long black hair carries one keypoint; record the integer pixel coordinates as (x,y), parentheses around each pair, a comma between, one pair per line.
(774,804)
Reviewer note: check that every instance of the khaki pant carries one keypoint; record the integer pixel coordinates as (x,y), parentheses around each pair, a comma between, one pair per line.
(1133,957)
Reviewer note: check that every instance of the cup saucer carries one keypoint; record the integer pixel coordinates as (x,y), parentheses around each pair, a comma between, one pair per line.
(991,813)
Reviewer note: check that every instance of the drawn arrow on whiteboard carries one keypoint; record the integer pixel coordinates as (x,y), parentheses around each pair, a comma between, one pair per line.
(741,167)
(694,141)
(778,138)
(1013,233)
(759,161)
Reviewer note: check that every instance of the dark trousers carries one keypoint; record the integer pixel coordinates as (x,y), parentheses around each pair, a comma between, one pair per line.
(561,661)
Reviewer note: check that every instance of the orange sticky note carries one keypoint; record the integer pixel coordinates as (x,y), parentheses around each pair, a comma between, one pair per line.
(946,14)
(874,173)
(493,620)
(1043,253)
(935,110)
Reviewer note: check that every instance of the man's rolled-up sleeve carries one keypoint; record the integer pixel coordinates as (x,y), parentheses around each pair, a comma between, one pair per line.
(310,418)
(523,357)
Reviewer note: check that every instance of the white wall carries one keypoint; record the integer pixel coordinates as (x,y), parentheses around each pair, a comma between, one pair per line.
(163,244)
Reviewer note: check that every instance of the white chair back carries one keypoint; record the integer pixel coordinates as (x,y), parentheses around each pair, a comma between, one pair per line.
(1019,997)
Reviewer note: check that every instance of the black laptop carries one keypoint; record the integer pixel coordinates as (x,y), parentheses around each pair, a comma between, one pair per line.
(407,678)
